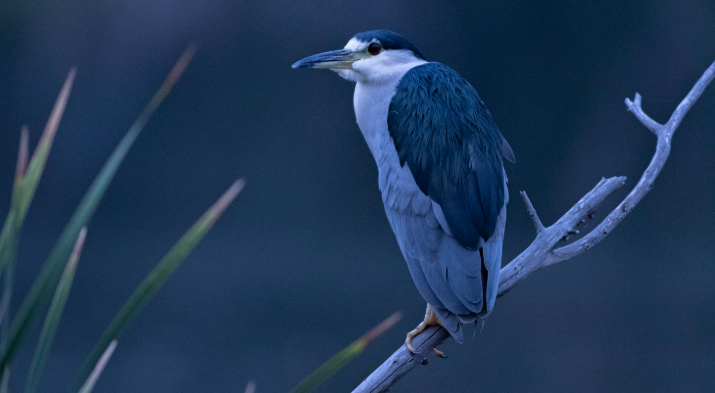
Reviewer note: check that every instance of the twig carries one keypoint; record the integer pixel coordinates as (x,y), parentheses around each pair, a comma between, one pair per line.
(541,252)
(532,212)
(635,108)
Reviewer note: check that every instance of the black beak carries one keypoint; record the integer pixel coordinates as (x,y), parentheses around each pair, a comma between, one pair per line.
(341,58)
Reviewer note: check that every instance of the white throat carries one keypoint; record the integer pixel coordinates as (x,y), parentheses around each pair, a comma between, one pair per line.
(371,102)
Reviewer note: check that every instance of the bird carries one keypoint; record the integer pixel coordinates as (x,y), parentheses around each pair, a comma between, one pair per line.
(441,172)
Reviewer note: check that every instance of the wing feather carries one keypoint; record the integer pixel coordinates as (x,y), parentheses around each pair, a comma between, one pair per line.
(444,133)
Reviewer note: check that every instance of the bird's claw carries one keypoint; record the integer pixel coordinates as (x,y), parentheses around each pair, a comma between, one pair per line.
(408,341)
(435,351)
(430,320)
(439,353)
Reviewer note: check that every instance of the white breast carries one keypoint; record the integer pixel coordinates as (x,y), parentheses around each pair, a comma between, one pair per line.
(372,101)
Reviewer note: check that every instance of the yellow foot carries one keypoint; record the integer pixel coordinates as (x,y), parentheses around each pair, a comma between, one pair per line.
(430,320)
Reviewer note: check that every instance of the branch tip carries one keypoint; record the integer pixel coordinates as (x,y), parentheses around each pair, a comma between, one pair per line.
(635,108)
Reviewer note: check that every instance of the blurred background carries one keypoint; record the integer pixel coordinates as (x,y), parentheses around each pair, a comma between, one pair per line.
(305,262)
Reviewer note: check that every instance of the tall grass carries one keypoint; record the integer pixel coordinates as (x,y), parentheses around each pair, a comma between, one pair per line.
(54,281)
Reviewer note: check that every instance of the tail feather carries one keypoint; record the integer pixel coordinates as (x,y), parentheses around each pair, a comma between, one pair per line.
(491,259)
(492,262)
(450,321)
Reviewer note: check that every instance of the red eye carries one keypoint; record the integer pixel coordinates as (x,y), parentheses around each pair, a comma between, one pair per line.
(374,48)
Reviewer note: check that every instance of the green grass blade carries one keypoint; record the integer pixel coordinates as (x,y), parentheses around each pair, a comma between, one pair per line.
(4,385)
(21,167)
(31,177)
(7,238)
(13,224)
(5,302)
(98,368)
(8,248)
(343,357)
(49,275)
(54,314)
(27,176)
(157,277)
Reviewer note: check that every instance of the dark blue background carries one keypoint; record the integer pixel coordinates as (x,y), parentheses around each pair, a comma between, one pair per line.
(305,262)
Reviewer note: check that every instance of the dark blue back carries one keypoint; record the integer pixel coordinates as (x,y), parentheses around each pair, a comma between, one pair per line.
(448,138)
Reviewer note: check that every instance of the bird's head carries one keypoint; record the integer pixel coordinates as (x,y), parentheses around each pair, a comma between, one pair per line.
(370,57)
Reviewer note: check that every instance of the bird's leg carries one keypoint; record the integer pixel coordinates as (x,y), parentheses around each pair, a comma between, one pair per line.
(430,320)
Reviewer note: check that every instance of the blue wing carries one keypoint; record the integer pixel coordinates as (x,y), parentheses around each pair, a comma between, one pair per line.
(445,192)
(444,133)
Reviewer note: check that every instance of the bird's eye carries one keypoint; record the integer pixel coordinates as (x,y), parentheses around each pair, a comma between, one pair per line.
(374,48)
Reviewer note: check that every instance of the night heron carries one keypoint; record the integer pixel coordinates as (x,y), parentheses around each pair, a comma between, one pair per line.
(441,175)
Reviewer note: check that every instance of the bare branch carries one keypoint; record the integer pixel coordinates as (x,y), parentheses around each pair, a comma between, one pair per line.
(690,99)
(541,252)
(532,212)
